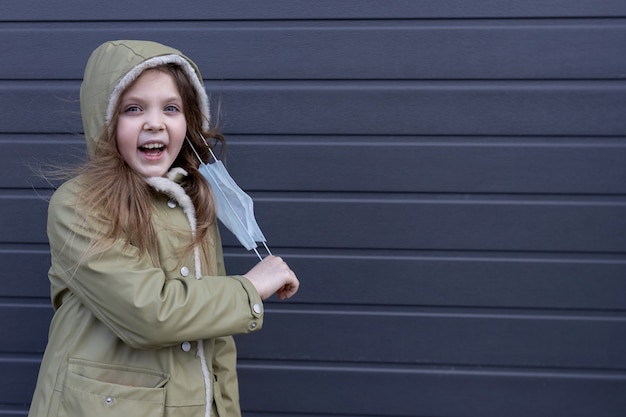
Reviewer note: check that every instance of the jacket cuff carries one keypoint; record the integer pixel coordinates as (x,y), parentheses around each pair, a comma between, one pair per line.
(257,310)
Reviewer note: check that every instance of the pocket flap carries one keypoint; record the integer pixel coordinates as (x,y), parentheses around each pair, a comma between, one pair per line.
(118,374)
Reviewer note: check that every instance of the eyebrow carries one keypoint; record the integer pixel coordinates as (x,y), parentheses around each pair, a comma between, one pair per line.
(176,98)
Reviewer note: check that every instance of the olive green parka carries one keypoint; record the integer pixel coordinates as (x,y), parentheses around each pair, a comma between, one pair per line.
(129,338)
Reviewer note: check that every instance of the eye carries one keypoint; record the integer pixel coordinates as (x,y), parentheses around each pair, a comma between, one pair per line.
(172,108)
(132,108)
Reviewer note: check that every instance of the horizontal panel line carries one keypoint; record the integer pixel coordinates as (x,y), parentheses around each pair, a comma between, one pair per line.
(424,84)
(409,80)
(347,81)
(13,410)
(387,311)
(470,142)
(368,197)
(467,313)
(380,142)
(383,310)
(283,250)
(352,23)
(445,256)
(362,141)
(555,312)
(384,197)
(42,194)
(512,253)
(394,11)
(439,369)
(25,302)
(324,139)
(33,248)
(323,85)
(20,357)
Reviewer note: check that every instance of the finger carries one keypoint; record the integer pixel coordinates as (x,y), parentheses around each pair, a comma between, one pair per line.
(287,291)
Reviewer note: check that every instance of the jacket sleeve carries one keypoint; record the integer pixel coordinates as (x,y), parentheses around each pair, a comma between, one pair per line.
(125,291)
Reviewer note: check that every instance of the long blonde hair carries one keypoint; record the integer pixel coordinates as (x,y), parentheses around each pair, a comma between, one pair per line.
(114,190)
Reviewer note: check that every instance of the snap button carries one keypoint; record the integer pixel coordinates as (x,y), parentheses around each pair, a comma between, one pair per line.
(171,203)
(253,325)
(184,271)
(185,346)
(257,308)
(108,400)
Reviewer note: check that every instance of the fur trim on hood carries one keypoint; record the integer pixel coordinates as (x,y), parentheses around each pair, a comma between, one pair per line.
(169,186)
(114,66)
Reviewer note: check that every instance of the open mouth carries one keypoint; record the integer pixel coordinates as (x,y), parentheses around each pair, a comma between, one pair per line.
(152,149)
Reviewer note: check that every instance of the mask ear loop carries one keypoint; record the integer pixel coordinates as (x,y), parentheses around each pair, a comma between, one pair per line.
(194,149)
(215,159)
(207,146)
(196,152)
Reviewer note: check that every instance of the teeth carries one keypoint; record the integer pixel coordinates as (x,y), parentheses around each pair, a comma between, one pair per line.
(153,146)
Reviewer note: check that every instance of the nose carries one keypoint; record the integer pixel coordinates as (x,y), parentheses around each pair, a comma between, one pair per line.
(154,121)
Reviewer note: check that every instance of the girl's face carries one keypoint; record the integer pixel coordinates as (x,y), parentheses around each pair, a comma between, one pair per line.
(151,126)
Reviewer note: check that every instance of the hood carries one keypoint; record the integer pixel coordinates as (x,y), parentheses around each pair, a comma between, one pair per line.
(115,65)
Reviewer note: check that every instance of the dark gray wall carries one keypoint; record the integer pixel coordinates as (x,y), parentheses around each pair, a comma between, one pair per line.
(447,178)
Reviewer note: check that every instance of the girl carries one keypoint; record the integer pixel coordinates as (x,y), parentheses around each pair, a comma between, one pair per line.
(144,313)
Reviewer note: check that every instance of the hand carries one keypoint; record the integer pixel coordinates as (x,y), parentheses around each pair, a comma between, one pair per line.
(272,275)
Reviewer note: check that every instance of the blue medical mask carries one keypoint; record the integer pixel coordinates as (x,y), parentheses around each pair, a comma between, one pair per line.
(234,207)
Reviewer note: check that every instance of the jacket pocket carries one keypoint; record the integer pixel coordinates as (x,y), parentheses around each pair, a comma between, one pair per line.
(94,389)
